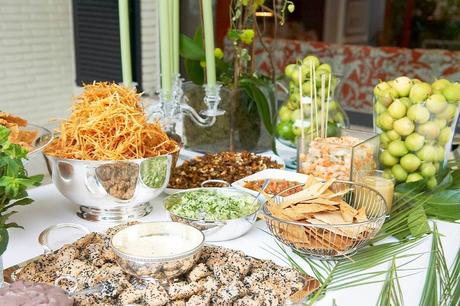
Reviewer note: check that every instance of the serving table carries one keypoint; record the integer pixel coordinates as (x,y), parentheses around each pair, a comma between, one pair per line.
(50,208)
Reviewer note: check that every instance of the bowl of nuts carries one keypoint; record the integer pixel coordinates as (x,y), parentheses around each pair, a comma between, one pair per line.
(220,167)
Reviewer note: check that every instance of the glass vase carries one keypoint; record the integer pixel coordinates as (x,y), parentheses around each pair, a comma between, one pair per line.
(340,157)
(416,141)
(239,128)
(289,123)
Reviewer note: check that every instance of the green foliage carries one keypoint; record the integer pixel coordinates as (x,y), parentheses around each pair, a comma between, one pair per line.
(13,183)
(391,293)
(436,290)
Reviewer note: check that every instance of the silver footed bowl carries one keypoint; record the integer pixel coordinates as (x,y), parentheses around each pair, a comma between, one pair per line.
(114,191)
(157,250)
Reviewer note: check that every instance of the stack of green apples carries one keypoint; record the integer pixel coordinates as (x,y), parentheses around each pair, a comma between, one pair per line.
(416,122)
(289,124)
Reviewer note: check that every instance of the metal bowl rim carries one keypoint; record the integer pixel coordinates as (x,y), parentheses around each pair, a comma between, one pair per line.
(231,189)
(105,161)
(383,216)
(158,259)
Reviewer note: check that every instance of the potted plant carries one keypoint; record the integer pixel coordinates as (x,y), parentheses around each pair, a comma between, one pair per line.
(14,182)
(247,97)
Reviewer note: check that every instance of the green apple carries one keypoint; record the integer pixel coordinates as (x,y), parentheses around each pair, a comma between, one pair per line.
(419,92)
(418,113)
(404,126)
(410,162)
(414,142)
(399,173)
(397,109)
(413,177)
(397,148)
(387,159)
(436,103)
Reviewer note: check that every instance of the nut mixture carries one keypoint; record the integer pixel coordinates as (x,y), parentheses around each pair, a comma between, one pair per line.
(221,277)
(226,166)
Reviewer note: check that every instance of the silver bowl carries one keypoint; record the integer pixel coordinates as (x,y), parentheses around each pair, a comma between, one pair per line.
(181,244)
(216,230)
(114,191)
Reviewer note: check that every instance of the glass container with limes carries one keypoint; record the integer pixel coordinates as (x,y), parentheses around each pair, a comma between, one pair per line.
(304,83)
(416,122)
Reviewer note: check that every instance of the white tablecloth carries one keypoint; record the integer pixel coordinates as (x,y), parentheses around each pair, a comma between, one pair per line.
(50,207)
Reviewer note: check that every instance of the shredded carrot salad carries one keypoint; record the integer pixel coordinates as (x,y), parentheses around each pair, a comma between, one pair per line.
(108,123)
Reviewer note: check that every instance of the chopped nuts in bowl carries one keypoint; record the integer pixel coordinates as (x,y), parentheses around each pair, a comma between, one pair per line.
(224,166)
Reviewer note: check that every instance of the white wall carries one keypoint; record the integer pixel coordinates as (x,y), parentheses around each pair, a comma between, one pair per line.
(36,58)
(37,70)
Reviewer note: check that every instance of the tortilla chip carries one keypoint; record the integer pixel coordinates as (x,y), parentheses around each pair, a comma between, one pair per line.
(310,208)
(331,217)
(361,215)
(348,212)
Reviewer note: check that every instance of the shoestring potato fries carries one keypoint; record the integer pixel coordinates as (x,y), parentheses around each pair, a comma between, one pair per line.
(109,123)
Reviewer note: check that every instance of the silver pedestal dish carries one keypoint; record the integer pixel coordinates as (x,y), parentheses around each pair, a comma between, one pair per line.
(114,191)
(216,230)
(158,267)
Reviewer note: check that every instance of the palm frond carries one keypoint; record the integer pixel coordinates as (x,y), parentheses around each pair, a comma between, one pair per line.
(436,289)
(454,280)
(391,293)
(336,275)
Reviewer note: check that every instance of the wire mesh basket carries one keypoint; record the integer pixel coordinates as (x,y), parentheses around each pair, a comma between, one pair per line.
(331,241)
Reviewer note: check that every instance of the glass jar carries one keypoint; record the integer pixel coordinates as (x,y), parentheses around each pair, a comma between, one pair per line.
(339,157)
(240,128)
(289,118)
(415,138)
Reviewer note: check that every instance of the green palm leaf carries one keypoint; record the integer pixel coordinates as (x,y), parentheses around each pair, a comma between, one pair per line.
(391,293)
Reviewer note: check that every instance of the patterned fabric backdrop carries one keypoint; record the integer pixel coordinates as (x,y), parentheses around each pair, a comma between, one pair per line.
(362,67)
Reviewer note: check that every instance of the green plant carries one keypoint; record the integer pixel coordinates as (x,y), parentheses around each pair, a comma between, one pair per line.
(13,183)
(237,69)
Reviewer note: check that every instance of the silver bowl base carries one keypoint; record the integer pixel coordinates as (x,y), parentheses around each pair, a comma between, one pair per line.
(115,215)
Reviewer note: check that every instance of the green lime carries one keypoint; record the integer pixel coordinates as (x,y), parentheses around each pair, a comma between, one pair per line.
(284,130)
